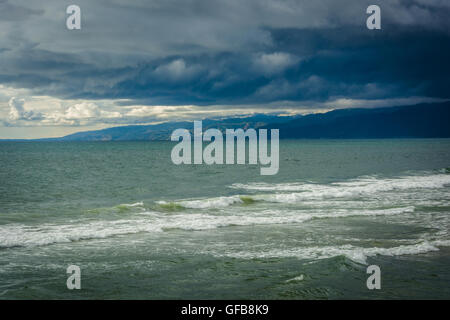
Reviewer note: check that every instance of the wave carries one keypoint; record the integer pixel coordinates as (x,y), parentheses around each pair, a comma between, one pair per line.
(45,234)
(366,183)
(156,218)
(170,206)
(354,253)
(126,207)
(120,208)
(295,279)
(136,204)
(206,203)
(362,186)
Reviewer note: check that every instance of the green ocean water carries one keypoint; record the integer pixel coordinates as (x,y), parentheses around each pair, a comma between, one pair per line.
(141,227)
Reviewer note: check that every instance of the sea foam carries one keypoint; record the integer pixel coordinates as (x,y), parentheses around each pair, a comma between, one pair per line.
(13,235)
(354,253)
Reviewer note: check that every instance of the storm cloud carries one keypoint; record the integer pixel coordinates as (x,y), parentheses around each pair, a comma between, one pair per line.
(263,53)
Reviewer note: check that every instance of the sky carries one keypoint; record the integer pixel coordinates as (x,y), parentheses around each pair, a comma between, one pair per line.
(150,61)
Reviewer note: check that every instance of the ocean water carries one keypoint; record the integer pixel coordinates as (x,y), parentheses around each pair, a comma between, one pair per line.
(141,227)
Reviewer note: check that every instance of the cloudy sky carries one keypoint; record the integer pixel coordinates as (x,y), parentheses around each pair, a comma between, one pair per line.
(146,61)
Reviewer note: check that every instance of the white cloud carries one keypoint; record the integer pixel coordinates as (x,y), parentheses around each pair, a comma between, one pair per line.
(82,113)
(49,111)
(17,111)
(176,70)
(88,110)
(158,111)
(274,62)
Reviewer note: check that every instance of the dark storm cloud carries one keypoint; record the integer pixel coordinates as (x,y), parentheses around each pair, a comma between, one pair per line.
(227,52)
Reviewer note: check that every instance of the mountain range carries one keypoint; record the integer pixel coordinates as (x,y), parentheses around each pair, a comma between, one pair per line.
(427,120)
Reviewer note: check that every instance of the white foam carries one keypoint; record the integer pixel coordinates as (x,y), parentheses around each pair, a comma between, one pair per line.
(441,243)
(44,234)
(354,253)
(354,189)
(136,204)
(298,278)
(26,235)
(358,187)
(262,186)
(207,203)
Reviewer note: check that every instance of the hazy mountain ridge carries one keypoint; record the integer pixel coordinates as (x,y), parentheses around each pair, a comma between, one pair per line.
(429,120)
(163,131)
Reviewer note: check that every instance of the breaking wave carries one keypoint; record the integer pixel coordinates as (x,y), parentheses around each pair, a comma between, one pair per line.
(14,235)
(284,192)
(354,253)
(207,203)
(360,186)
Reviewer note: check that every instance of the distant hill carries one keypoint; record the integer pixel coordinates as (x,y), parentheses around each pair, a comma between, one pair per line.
(431,120)
(164,130)
(428,120)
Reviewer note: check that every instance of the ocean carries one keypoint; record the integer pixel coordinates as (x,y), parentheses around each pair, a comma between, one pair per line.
(140,227)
